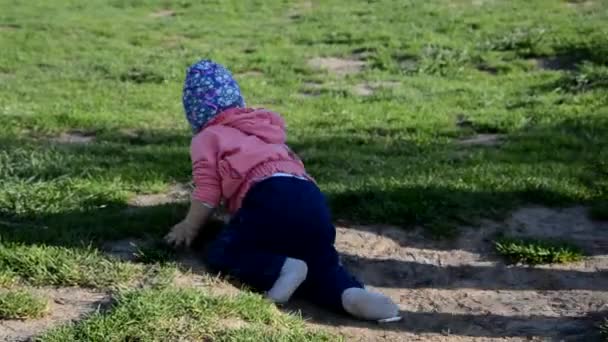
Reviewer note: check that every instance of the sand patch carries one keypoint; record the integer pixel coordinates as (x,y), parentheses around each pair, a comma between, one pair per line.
(9,27)
(337,66)
(580,3)
(482,139)
(368,89)
(162,13)
(250,73)
(75,137)
(460,290)
(177,193)
(487,68)
(300,9)
(66,305)
(561,62)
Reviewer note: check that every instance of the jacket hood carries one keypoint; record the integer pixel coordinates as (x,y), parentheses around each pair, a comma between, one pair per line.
(264,124)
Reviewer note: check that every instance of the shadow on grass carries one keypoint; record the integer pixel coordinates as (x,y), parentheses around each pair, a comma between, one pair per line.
(439,186)
(587,66)
(395,196)
(164,157)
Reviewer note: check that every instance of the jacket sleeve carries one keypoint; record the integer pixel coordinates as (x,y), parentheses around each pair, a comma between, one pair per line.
(204,153)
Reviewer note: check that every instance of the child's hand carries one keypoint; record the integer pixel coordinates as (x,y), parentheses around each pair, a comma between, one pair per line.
(182,234)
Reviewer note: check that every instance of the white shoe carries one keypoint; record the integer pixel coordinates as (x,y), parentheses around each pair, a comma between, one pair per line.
(368,305)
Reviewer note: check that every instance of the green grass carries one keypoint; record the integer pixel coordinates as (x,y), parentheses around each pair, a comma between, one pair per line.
(7,279)
(20,304)
(171,314)
(60,266)
(113,70)
(156,252)
(391,157)
(536,251)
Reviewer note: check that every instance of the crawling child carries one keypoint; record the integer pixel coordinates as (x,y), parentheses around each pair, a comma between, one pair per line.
(280,238)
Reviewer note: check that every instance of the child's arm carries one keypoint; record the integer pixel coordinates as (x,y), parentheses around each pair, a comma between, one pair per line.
(207,192)
(184,232)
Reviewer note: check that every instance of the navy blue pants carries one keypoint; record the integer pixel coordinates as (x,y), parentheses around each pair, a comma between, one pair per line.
(283,217)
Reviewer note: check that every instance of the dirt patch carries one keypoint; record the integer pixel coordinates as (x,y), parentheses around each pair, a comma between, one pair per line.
(571,224)
(232,323)
(66,305)
(463,121)
(487,68)
(5,75)
(177,193)
(250,73)
(130,133)
(480,2)
(213,284)
(312,89)
(407,63)
(579,3)
(300,9)
(75,137)
(174,41)
(364,53)
(368,89)
(482,139)
(125,250)
(561,62)
(163,13)
(460,291)
(363,89)
(338,66)
(9,27)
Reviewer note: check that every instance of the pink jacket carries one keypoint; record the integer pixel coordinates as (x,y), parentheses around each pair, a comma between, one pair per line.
(236,149)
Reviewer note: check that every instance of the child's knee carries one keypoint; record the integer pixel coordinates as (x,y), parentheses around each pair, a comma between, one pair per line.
(218,253)
(213,257)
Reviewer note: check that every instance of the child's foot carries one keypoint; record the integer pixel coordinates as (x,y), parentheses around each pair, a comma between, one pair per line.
(293,274)
(368,305)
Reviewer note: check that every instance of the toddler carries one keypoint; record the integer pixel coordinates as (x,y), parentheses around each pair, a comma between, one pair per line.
(280,238)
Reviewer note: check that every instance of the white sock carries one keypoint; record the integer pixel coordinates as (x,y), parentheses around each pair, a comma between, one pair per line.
(368,305)
(293,273)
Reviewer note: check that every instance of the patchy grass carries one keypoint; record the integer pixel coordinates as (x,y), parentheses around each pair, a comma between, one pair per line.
(535,251)
(587,78)
(171,314)
(83,128)
(21,304)
(390,157)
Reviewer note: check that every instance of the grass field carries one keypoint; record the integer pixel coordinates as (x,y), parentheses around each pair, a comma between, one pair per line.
(395,141)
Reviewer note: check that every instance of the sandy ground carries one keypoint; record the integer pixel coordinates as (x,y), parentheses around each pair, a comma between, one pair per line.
(65,305)
(460,291)
(456,290)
